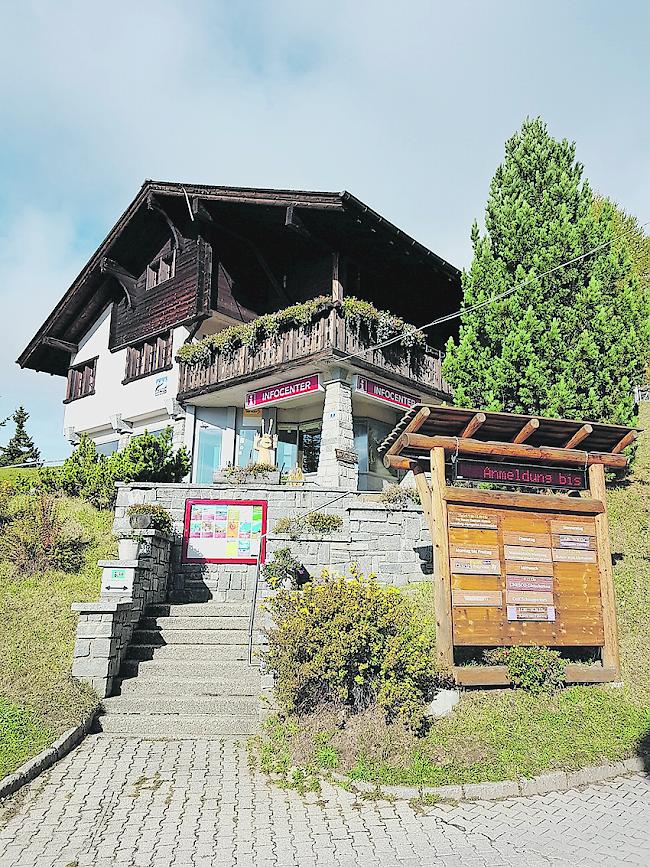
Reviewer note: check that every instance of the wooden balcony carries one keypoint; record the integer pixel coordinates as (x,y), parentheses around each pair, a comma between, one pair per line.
(329,338)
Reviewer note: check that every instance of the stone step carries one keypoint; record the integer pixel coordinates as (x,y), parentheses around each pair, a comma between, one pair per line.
(170,705)
(168,635)
(239,681)
(178,621)
(201,666)
(198,591)
(170,727)
(175,652)
(201,609)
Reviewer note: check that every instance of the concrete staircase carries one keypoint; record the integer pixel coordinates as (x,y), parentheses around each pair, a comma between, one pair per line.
(186,675)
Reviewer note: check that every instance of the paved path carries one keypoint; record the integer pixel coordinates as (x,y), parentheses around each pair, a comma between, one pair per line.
(134,802)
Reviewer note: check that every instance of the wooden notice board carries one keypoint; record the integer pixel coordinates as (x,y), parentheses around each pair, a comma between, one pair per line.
(520,577)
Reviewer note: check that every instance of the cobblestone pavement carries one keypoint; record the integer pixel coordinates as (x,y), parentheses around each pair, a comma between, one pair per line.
(128,802)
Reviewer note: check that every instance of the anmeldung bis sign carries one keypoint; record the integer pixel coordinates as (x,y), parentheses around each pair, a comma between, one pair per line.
(520,475)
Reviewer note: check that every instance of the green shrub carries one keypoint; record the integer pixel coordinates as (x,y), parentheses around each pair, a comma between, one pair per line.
(160,517)
(397,495)
(535,669)
(38,537)
(147,458)
(317,522)
(284,570)
(349,641)
(251,472)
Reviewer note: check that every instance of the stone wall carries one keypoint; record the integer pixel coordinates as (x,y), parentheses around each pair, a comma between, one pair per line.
(393,543)
(105,628)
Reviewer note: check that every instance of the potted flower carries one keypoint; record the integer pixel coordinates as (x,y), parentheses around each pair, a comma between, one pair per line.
(149,516)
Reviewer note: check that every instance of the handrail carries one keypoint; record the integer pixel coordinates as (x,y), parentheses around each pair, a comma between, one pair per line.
(251,619)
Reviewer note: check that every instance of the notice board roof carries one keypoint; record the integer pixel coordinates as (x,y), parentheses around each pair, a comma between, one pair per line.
(529,436)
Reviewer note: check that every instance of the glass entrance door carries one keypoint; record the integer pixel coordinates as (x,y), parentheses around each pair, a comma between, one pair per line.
(209,452)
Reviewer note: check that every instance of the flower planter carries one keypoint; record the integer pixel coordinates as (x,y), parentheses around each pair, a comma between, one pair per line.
(142,522)
(128,548)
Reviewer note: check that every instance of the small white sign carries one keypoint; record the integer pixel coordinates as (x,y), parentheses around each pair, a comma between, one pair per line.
(117,581)
(161,385)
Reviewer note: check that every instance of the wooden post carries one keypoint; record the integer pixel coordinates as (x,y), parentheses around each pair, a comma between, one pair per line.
(337,283)
(423,489)
(442,577)
(597,489)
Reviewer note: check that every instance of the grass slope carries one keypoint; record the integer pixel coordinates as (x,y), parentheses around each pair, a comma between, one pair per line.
(502,734)
(38,697)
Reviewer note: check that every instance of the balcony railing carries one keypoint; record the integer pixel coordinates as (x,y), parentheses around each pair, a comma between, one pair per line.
(330,336)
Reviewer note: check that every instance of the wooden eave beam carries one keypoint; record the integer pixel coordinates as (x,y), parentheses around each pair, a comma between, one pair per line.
(527,431)
(509,450)
(623,443)
(154,205)
(581,434)
(538,502)
(200,211)
(126,280)
(473,424)
(64,345)
(414,425)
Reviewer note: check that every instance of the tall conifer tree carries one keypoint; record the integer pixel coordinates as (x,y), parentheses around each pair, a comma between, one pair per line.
(573,343)
(20,449)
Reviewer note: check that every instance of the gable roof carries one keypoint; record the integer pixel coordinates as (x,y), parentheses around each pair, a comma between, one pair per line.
(341,212)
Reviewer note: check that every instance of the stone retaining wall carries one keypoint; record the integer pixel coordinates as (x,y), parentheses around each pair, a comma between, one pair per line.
(393,543)
(105,628)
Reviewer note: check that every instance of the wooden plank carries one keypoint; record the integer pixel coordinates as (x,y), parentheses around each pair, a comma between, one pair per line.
(623,443)
(423,489)
(465,536)
(536,502)
(527,431)
(529,597)
(442,577)
(473,424)
(482,675)
(467,520)
(485,552)
(581,434)
(524,553)
(573,555)
(463,566)
(512,450)
(611,657)
(524,522)
(523,582)
(535,540)
(497,675)
(576,527)
(464,598)
(476,582)
(521,567)
(587,543)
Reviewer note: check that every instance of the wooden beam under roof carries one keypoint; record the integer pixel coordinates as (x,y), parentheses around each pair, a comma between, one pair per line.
(56,343)
(623,443)
(581,434)
(413,425)
(473,424)
(521,451)
(527,430)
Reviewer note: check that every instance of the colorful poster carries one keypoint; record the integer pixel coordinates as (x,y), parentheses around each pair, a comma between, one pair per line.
(224,531)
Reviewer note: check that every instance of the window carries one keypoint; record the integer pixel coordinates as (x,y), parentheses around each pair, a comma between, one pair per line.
(107,448)
(368,436)
(299,445)
(81,380)
(161,270)
(148,357)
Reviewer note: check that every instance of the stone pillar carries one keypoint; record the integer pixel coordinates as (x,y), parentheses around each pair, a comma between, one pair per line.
(337,462)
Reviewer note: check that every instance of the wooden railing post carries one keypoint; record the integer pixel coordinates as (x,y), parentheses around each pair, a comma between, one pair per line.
(442,576)
(611,658)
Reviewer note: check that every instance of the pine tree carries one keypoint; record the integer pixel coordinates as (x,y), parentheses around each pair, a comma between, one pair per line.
(20,449)
(572,343)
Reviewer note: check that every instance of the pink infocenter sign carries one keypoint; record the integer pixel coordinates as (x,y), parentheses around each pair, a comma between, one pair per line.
(385,393)
(283,391)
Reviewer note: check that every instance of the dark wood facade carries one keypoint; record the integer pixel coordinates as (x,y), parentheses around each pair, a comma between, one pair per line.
(239,253)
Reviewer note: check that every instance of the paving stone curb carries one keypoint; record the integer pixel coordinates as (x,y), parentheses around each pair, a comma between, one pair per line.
(45,759)
(555,781)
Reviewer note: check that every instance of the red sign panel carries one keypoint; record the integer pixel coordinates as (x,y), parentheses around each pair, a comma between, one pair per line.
(520,475)
(283,391)
(385,393)
(224,531)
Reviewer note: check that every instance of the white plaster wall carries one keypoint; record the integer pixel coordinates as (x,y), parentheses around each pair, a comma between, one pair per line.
(135,402)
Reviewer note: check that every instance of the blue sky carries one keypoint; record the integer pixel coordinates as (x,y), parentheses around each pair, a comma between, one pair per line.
(405,105)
